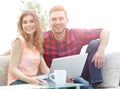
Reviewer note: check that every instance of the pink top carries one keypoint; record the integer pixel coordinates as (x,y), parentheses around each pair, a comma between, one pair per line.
(29,61)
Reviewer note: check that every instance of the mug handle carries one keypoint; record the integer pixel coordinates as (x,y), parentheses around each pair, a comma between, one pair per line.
(50,76)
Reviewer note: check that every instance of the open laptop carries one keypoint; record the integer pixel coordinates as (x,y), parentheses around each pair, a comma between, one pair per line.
(72,64)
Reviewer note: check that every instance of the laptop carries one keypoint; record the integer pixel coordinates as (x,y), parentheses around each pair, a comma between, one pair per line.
(72,64)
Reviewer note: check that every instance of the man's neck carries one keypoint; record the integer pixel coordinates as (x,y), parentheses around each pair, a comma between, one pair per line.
(60,37)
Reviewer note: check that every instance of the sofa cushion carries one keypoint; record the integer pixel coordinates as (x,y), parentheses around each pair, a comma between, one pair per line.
(111,70)
(4,61)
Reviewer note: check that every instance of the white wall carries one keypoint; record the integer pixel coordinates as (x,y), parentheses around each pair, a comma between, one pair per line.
(82,14)
(8,26)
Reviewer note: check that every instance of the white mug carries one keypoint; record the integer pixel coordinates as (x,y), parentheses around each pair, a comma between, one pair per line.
(59,77)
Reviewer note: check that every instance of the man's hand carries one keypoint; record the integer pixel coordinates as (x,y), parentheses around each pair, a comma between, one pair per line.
(98,59)
(69,79)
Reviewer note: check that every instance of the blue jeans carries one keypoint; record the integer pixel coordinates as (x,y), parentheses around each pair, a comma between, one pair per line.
(82,81)
(90,73)
(18,82)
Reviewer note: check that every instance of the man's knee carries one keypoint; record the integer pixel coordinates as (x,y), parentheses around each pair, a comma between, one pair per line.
(81,80)
(93,45)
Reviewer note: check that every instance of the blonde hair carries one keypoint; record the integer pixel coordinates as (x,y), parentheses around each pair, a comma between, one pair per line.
(57,8)
(38,35)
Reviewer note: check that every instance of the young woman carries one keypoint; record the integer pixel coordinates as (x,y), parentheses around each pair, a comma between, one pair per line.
(27,50)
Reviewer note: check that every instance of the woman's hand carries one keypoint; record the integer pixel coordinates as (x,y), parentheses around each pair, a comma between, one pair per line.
(36,80)
(42,81)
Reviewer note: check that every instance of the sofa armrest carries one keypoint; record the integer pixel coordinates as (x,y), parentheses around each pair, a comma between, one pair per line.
(111,70)
(4,62)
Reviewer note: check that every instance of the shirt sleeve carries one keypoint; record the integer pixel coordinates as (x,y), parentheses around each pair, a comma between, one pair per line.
(84,36)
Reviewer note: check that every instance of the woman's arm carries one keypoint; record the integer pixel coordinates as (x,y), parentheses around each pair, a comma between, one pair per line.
(16,52)
(44,69)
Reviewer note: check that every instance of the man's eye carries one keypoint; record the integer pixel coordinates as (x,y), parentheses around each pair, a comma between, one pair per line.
(53,19)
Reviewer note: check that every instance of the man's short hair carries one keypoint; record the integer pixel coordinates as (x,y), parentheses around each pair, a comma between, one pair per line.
(57,8)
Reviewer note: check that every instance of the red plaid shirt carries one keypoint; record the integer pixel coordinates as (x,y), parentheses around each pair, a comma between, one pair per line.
(75,40)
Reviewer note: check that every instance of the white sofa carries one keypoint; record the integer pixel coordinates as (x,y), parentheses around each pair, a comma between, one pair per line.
(111,71)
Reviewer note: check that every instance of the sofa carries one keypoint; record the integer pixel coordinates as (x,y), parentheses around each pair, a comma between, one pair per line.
(111,71)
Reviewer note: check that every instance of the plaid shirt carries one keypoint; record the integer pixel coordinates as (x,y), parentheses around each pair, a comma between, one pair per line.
(73,43)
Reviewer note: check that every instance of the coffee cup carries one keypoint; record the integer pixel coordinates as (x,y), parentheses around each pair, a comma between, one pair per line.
(58,76)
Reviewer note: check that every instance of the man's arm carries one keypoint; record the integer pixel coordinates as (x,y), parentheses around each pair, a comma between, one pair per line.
(104,37)
(98,58)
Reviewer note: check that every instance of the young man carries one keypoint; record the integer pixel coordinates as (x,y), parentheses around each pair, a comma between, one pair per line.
(61,41)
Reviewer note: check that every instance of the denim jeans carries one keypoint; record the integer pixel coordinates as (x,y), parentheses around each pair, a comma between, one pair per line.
(90,73)
(18,82)
(82,81)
